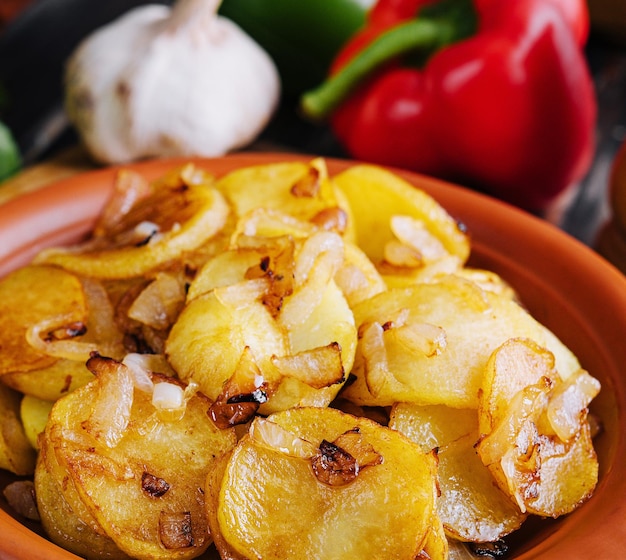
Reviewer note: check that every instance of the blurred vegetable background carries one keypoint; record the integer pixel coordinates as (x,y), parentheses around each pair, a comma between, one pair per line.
(491,95)
(10,160)
(303,39)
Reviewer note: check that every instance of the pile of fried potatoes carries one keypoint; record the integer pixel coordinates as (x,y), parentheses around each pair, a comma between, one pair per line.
(283,364)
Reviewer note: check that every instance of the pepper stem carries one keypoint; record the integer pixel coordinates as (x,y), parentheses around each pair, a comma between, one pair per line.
(437,25)
(404,38)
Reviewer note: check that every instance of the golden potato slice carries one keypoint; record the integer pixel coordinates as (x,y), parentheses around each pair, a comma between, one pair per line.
(515,365)
(174,219)
(210,335)
(415,344)
(330,325)
(34,414)
(52,382)
(29,297)
(436,546)
(64,517)
(207,341)
(225,269)
(250,258)
(69,343)
(280,301)
(16,453)
(376,195)
(301,190)
(291,489)
(471,506)
(140,476)
(536,440)
(432,426)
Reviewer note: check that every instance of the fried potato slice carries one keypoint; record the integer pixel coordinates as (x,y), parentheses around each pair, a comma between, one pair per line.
(67,340)
(542,458)
(29,297)
(34,414)
(64,516)
(374,501)
(415,345)
(52,382)
(16,453)
(436,545)
(275,299)
(139,476)
(210,335)
(206,344)
(175,218)
(300,190)
(330,323)
(471,506)
(376,196)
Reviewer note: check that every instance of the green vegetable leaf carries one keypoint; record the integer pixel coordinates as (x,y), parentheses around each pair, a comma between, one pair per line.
(10,160)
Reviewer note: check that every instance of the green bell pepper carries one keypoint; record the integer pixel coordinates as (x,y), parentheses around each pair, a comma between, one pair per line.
(301,36)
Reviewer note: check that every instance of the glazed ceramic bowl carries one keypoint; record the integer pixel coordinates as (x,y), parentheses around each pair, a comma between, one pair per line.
(563,283)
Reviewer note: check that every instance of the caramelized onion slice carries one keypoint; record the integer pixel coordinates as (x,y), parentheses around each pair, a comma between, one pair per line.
(55,336)
(316,264)
(375,357)
(170,398)
(154,486)
(160,302)
(334,466)
(567,406)
(242,395)
(274,436)
(339,462)
(129,188)
(423,338)
(397,253)
(309,185)
(414,233)
(318,367)
(110,414)
(138,367)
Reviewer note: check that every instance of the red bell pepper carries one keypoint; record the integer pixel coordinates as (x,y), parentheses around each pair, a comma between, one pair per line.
(493,94)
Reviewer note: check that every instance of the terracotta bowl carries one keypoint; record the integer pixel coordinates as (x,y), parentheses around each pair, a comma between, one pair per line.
(564,284)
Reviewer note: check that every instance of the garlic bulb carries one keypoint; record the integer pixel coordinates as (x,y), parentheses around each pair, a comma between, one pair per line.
(163,81)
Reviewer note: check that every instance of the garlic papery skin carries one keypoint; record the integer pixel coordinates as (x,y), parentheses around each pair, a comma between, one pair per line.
(163,81)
